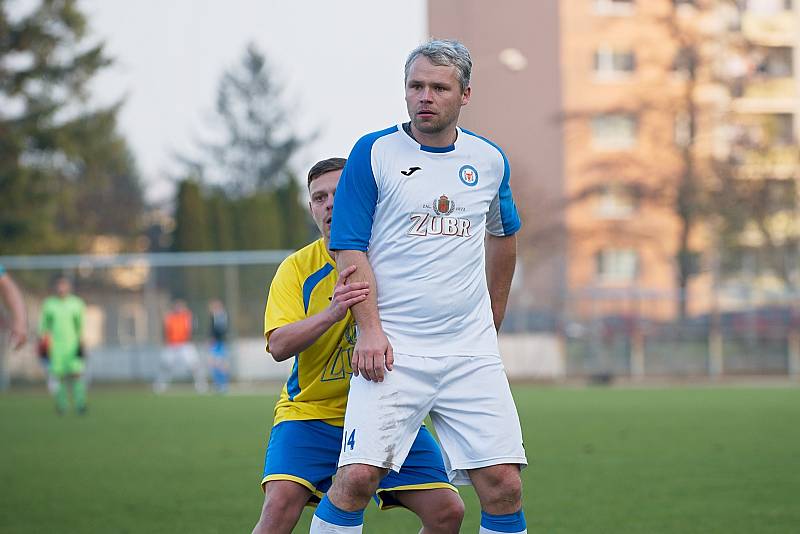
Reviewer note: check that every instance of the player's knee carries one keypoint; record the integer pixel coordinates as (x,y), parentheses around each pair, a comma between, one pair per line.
(511,491)
(505,487)
(360,481)
(447,516)
(280,512)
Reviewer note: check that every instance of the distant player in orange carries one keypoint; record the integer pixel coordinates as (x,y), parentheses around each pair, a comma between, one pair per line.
(179,351)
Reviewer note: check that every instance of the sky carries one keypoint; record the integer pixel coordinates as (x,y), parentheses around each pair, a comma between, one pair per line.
(341,64)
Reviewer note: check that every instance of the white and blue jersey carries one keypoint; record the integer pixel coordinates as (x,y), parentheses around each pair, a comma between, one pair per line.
(421,213)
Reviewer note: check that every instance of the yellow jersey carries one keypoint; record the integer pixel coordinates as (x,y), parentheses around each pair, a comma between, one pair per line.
(318,385)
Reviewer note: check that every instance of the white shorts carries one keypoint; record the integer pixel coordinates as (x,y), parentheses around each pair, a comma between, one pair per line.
(183,355)
(469,401)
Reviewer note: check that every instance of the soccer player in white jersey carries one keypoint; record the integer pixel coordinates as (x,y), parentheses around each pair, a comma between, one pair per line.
(307,319)
(424,212)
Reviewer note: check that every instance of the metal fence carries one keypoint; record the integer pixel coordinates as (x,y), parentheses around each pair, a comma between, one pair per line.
(597,337)
(633,337)
(127,297)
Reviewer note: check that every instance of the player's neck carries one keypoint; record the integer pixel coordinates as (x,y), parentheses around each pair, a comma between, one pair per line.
(441,139)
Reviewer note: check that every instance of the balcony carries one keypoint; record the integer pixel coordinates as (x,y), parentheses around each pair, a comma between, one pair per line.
(768,95)
(777,29)
(776,162)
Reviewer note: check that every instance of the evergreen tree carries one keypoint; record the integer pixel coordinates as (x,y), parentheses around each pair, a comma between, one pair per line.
(248,169)
(221,216)
(296,221)
(191,229)
(192,234)
(258,143)
(57,157)
(259,223)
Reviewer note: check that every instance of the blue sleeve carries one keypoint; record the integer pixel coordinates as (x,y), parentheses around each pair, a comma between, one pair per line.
(355,199)
(503,218)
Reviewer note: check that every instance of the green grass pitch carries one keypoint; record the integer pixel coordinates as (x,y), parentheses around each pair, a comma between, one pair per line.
(682,460)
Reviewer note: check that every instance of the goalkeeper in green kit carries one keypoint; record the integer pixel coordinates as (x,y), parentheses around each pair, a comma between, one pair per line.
(61,325)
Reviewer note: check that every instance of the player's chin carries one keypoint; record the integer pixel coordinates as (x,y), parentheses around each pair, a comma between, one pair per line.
(428,126)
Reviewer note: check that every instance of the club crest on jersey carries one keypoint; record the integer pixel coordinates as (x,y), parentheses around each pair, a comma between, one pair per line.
(443,205)
(468,175)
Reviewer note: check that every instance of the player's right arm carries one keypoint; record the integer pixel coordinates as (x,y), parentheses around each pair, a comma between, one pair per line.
(12,297)
(293,338)
(351,230)
(372,352)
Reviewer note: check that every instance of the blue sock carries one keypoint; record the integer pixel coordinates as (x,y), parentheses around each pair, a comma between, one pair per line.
(328,512)
(503,523)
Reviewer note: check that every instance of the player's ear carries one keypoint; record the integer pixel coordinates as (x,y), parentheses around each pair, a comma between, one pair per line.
(466,95)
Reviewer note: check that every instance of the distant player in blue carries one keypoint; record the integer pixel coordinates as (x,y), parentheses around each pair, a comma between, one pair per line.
(219,355)
(425,214)
(307,319)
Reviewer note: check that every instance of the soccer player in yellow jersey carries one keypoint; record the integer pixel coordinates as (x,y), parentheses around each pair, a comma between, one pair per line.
(308,318)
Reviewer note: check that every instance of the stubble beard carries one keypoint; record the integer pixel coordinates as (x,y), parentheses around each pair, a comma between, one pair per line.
(428,127)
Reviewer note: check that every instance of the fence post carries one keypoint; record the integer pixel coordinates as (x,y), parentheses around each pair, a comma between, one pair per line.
(794,353)
(716,363)
(637,351)
(153,326)
(232,305)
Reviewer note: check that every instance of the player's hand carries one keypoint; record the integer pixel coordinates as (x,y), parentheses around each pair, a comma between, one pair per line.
(346,294)
(372,354)
(18,336)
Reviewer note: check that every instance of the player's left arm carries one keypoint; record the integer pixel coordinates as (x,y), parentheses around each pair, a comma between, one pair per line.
(502,225)
(80,318)
(501,258)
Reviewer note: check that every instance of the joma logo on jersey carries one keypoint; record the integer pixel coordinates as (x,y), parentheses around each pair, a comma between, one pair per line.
(423,224)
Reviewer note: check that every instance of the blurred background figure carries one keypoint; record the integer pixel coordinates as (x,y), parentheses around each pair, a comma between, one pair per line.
(17,324)
(179,351)
(219,359)
(43,352)
(61,323)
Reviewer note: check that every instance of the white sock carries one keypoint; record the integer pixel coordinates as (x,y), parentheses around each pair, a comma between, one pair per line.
(320,526)
(485,530)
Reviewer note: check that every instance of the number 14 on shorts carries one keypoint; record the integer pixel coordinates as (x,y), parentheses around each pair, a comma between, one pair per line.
(349,441)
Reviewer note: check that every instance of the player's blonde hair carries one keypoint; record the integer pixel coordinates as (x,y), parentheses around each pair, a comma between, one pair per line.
(445,52)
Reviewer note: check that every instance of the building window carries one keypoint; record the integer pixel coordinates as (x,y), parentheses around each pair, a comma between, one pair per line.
(611,64)
(780,129)
(616,265)
(616,201)
(684,63)
(683,130)
(614,131)
(613,7)
(769,7)
(773,62)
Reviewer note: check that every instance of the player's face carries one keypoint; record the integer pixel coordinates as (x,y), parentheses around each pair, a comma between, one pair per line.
(63,287)
(321,191)
(434,97)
